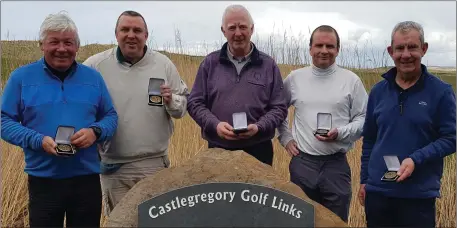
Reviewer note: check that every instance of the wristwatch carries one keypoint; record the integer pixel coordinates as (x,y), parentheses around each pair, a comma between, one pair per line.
(97,131)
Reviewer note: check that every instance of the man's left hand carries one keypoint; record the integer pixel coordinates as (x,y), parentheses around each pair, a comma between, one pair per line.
(331,136)
(406,169)
(252,130)
(165,91)
(84,138)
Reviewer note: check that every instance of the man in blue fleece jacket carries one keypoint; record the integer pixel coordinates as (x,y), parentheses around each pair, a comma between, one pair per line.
(39,98)
(410,116)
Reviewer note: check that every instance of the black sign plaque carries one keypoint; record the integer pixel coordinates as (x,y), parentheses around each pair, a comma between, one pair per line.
(225,204)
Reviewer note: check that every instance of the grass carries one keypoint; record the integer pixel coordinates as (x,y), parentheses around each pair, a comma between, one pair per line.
(186,141)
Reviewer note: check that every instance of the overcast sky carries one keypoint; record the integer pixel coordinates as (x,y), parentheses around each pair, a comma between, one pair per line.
(358,23)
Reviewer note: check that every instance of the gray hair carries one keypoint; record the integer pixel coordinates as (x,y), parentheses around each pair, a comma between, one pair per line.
(236,8)
(406,26)
(58,22)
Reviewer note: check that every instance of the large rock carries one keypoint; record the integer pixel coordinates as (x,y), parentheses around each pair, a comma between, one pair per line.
(211,165)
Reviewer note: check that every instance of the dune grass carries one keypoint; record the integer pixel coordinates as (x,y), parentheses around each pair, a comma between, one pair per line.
(186,141)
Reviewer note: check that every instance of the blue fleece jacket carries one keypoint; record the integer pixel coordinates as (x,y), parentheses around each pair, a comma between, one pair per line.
(417,123)
(35,102)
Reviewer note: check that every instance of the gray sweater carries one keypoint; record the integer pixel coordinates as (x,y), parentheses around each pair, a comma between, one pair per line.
(335,90)
(143,131)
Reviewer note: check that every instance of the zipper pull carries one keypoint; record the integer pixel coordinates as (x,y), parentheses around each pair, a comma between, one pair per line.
(400,100)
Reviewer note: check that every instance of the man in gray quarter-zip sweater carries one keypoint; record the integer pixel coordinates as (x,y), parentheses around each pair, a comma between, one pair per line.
(239,78)
(319,164)
(140,146)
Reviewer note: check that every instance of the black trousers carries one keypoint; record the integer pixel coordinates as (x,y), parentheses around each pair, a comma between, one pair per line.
(79,199)
(324,179)
(262,151)
(382,211)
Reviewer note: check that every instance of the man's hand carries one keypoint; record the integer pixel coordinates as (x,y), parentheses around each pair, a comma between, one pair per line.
(291,148)
(362,195)
(165,91)
(252,130)
(406,169)
(331,136)
(225,131)
(83,138)
(49,145)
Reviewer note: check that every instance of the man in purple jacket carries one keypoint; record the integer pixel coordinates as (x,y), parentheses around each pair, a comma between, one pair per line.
(238,78)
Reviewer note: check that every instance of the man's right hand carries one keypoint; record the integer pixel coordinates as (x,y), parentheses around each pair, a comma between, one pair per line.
(225,131)
(49,145)
(362,194)
(291,148)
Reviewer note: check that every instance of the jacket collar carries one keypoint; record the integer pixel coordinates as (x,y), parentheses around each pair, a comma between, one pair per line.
(255,55)
(70,70)
(391,74)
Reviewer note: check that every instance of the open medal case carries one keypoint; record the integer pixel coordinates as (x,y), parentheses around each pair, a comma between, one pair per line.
(393,165)
(324,124)
(240,122)
(154,96)
(63,140)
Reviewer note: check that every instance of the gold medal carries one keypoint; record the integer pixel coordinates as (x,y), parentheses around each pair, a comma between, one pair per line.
(65,148)
(155,99)
(391,175)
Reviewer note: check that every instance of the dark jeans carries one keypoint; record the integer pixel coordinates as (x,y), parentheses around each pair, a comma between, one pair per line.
(79,199)
(262,151)
(325,180)
(382,211)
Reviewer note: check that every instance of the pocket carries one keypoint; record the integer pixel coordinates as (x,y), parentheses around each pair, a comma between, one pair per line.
(292,167)
(348,168)
(166,161)
(108,169)
(256,79)
(258,89)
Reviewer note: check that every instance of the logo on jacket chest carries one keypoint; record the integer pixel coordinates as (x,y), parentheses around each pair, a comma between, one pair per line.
(423,103)
(257,76)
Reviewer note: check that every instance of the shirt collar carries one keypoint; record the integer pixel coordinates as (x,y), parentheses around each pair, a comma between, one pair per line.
(238,59)
(324,72)
(391,74)
(121,59)
(70,70)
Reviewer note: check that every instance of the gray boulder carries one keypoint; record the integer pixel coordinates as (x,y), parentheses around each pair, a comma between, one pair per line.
(209,166)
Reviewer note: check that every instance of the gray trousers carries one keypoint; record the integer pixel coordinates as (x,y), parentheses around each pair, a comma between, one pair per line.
(117,184)
(324,179)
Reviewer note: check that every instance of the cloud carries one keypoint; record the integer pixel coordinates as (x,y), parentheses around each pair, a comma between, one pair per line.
(360,24)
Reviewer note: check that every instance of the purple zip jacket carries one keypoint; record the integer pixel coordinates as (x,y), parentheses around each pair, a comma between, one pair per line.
(219,91)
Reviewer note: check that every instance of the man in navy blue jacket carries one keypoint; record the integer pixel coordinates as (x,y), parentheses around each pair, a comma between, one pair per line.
(410,117)
(51,96)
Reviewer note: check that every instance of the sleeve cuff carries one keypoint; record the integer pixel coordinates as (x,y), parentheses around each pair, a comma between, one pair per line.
(285,141)
(212,126)
(39,142)
(103,132)
(340,133)
(415,159)
(260,127)
(174,103)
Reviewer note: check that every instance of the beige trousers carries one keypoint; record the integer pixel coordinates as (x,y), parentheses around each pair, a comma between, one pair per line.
(117,184)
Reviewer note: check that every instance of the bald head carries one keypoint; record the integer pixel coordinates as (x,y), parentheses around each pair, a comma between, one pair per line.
(239,10)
